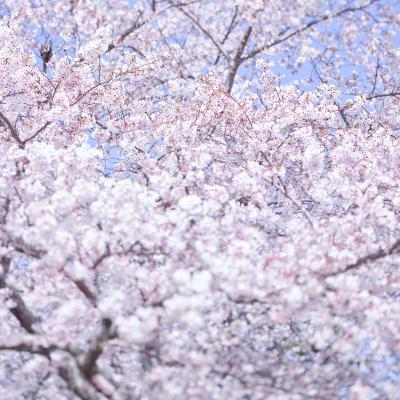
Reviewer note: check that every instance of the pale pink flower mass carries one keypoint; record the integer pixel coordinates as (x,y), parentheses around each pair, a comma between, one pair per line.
(199,200)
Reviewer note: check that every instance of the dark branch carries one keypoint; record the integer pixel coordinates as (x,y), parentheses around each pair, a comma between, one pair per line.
(40,130)
(228,32)
(89,367)
(20,311)
(205,31)
(13,131)
(238,60)
(368,258)
(306,27)
(88,293)
(391,94)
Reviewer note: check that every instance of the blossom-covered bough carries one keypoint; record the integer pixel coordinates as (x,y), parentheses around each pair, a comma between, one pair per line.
(177,222)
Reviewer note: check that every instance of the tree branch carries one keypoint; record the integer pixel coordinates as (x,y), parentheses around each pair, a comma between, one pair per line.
(228,32)
(20,311)
(137,25)
(369,257)
(391,94)
(205,31)
(69,371)
(13,131)
(88,365)
(238,60)
(40,130)
(306,27)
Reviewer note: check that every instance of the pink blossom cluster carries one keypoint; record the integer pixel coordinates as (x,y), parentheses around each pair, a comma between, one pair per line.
(179,222)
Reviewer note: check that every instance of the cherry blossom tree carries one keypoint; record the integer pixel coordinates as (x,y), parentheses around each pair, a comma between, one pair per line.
(199,199)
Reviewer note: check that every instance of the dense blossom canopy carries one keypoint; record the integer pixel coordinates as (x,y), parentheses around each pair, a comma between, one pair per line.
(179,219)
